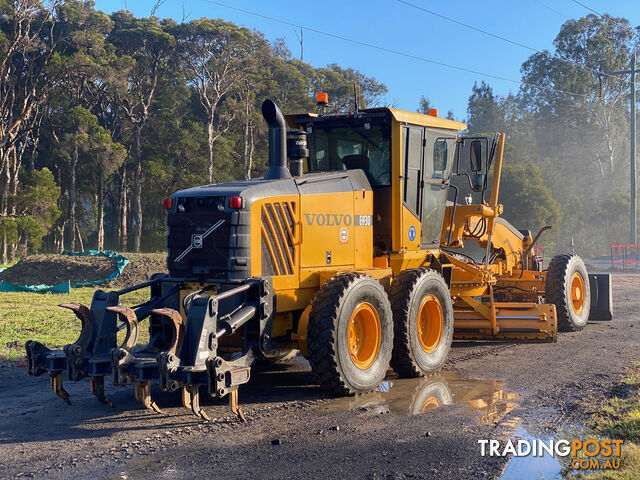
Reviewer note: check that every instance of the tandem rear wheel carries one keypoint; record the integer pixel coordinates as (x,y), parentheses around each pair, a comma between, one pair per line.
(350,334)
(423,320)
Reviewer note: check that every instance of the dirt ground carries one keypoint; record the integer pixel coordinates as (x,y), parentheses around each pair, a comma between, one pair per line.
(295,431)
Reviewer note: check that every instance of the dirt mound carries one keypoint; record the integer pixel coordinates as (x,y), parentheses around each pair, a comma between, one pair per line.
(55,269)
(141,266)
(50,269)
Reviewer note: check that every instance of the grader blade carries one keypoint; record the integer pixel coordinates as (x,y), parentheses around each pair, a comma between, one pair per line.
(531,322)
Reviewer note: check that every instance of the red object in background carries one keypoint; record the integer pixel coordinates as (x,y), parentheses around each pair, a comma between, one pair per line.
(167,203)
(624,255)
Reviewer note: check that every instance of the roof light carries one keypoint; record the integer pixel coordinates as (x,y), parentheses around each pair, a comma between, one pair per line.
(322,98)
(235,202)
(433,112)
(167,203)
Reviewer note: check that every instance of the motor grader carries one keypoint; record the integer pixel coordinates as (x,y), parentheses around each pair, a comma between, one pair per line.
(351,249)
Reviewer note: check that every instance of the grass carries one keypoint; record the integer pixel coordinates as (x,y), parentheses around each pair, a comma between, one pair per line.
(36,316)
(620,419)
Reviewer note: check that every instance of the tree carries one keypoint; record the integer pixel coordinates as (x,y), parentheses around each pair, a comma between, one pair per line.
(339,83)
(145,47)
(36,209)
(108,155)
(217,57)
(528,202)
(584,49)
(484,111)
(39,51)
(424,105)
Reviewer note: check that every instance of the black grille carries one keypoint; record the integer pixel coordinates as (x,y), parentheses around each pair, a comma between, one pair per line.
(205,232)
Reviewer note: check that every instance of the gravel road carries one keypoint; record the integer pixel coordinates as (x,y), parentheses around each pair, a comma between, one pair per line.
(425,428)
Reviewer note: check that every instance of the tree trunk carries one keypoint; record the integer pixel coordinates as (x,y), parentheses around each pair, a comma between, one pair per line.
(80,243)
(5,184)
(251,150)
(100,204)
(122,210)
(73,162)
(247,165)
(210,144)
(137,188)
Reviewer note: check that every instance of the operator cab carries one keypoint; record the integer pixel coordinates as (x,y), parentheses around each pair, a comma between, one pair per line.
(350,142)
(408,159)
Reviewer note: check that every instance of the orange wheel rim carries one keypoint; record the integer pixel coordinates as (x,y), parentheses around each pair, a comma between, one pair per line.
(577,292)
(363,335)
(430,323)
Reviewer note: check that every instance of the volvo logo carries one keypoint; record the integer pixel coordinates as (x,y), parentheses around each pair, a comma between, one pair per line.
(196,241)
(337,220)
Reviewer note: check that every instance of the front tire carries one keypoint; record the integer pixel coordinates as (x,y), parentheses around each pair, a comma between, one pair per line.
(567,287)
(423,322)
(350,334)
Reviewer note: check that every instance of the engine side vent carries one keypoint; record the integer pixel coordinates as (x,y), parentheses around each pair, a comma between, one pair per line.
(278,238)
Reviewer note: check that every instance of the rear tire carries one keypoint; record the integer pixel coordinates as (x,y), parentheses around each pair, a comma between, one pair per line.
(567,287)
(350,334)
(423,322)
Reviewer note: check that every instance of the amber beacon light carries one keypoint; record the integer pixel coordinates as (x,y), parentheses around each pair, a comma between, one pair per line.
(322,98)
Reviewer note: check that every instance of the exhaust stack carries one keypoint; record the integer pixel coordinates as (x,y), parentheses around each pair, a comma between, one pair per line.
(277,141)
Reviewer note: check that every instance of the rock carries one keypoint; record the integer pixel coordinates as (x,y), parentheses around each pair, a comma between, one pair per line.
(336,428)
(428,434)
(276,441)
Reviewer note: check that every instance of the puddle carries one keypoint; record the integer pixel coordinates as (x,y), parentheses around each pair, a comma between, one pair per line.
(522,468)
(414,396)
(141,468)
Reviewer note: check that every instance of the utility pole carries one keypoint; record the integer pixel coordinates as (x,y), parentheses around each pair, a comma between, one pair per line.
(634,202)
(634,191)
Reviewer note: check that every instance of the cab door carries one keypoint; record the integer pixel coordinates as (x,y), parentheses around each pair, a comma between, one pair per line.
(439,149)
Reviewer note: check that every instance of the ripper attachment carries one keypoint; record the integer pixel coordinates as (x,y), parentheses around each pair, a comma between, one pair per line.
(181,355)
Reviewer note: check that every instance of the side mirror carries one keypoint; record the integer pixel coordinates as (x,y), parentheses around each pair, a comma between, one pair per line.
(476,155)
(478,182)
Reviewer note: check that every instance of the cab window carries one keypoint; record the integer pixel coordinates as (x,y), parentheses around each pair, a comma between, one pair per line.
(339,145)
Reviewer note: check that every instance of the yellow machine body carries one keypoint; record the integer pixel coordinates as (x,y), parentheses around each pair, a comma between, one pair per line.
(328,233)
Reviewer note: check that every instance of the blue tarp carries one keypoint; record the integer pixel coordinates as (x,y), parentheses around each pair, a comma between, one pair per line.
(121,262)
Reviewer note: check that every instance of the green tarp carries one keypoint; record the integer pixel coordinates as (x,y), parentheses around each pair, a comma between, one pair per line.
(121,262)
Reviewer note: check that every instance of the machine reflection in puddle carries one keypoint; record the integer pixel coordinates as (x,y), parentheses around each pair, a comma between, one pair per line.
(418,395)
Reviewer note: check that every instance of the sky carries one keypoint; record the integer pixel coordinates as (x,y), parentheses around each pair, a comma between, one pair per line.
(393,25)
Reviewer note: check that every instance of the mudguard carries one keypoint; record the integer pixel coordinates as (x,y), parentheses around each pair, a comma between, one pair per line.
(601,297)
